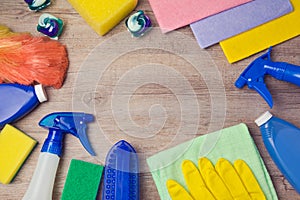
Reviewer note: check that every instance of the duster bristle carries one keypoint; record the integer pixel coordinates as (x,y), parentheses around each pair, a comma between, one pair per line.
(4,31)
(26,59)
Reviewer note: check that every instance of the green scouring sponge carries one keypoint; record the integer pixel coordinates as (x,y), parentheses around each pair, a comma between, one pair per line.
(82,181)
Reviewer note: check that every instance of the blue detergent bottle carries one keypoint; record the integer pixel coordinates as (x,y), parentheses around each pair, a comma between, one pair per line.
(18,100)
(282,140)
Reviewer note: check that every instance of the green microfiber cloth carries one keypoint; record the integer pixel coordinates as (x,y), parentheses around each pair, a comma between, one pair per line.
(83,181)
(231,143)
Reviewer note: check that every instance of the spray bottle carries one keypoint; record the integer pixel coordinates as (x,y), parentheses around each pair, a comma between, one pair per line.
(59,124)
(254,75)
(282,141)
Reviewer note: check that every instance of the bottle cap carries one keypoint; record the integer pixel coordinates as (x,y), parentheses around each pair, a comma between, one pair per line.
(263,118)
(40,93)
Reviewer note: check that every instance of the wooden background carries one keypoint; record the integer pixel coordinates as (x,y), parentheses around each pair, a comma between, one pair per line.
(242,106)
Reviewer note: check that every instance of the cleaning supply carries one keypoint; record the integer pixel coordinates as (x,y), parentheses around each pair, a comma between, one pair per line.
(224,181)
(174,14)
(50,26)
(221,26)
(15,147)
(254,75)
(121,173)
(232,143)
(262,37)
(281,139)
(37,5)
(26,59)
(59,124)
(82,181)
(138,24)
(18,100)
(103,15)
(5,31)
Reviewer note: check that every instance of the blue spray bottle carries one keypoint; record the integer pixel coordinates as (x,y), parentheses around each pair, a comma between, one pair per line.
(254,75)
(18,100)
(282,141)
(59,124)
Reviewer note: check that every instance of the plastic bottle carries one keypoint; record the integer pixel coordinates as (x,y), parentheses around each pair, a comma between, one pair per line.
(282,140)
(18,100)
(59,124)
(42,181)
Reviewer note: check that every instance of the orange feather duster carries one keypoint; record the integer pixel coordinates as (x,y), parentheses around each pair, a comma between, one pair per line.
(26,59)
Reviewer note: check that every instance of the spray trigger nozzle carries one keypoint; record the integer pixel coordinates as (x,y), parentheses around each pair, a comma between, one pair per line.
(62,123)
(254,74)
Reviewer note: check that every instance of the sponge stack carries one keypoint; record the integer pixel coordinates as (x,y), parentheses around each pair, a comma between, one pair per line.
(15,146)
(103,15)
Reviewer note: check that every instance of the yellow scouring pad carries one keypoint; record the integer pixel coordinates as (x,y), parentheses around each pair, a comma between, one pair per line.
(103,15)
(15,146)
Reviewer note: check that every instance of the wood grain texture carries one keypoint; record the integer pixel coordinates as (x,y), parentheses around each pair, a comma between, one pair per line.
(151,105)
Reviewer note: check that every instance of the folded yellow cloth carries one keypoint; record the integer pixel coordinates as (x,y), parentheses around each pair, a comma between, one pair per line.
(263,36)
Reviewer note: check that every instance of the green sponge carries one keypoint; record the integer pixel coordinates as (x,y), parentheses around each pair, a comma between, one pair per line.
(83,181)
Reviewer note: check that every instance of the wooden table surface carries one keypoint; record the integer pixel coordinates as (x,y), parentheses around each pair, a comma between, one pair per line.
(148,108)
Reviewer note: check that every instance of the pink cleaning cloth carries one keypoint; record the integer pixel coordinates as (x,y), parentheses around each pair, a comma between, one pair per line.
(173,14)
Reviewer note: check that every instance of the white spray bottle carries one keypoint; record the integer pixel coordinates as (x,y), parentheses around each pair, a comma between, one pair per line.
(59,124)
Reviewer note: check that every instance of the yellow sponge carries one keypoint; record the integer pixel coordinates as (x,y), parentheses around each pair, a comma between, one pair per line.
(15,146)
(103,15)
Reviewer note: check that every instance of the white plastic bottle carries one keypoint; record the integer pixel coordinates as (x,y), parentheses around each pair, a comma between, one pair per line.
(42,182)
(59,124)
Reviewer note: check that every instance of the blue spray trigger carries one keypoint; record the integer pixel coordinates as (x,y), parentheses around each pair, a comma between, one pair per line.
(62,123)
(262,89)
(254,75)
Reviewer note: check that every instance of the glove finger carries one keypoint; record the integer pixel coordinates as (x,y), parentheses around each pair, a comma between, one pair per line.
(232,180)
(195,182)
(249,180)
(177,192)
(212,180)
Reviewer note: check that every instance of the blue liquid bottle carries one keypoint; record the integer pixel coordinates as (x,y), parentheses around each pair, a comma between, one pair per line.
(282,140)
(18,100)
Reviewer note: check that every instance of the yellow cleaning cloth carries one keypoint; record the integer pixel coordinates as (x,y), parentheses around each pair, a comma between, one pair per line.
(264,36)
(15,146)
(103,15)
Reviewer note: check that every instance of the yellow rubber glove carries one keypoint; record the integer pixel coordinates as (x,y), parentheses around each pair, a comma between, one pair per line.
(223,181)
